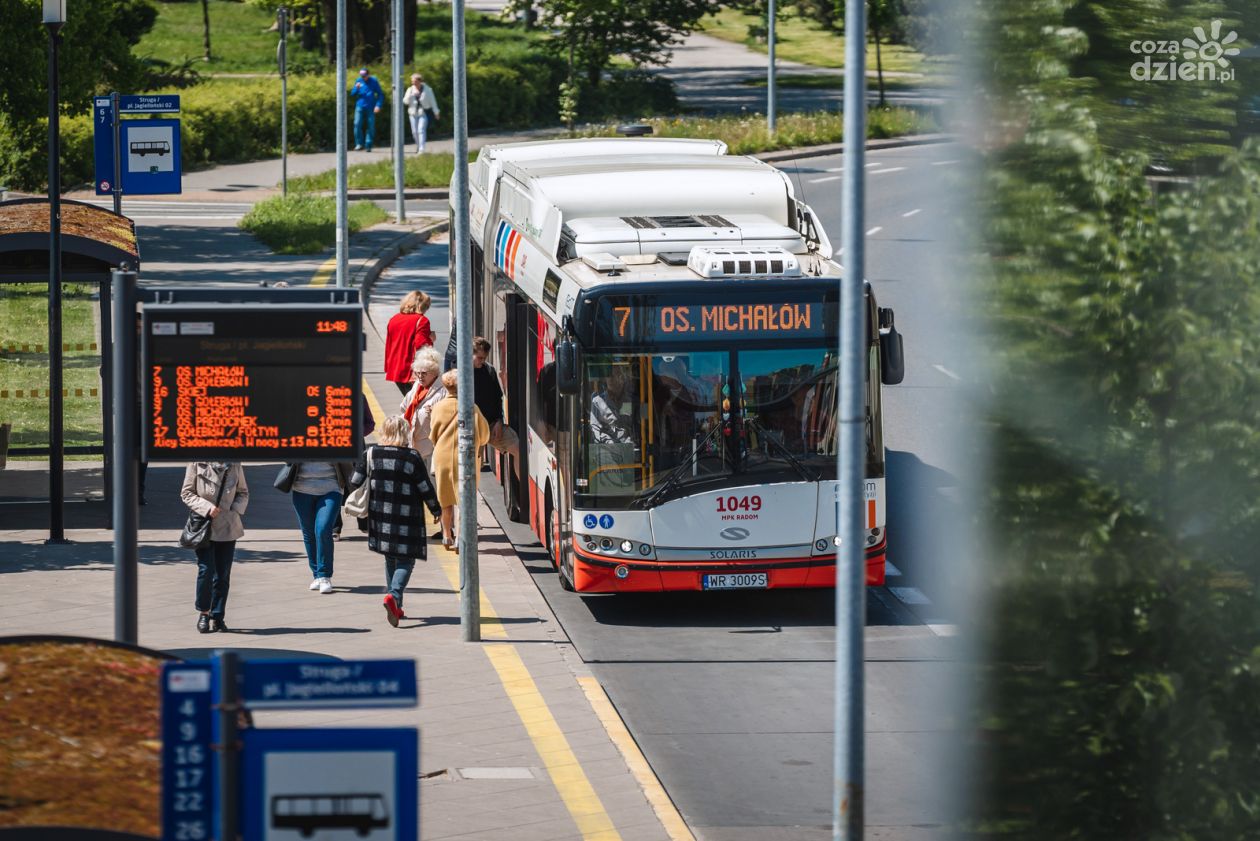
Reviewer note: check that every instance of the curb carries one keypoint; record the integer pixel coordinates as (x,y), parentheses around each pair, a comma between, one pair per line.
(386,256)
(838,148)
(769,157)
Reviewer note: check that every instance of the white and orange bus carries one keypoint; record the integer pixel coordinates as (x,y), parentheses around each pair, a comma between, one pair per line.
(663,318)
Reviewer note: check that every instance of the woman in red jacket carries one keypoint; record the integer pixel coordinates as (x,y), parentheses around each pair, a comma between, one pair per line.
(407,332)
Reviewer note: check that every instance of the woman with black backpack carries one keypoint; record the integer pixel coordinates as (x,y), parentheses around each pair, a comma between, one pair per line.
(217,490)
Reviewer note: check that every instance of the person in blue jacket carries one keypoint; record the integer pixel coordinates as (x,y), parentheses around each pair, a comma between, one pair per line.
(367,96)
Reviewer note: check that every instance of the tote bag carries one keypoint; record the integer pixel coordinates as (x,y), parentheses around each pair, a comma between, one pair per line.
(356,504)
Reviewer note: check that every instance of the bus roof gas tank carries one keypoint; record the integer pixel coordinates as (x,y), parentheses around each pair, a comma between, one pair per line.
(708,261)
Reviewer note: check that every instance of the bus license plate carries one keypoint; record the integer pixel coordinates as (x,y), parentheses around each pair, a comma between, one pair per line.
(736,581)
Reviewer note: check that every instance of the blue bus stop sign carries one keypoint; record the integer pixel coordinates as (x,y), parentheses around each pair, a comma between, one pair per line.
(188,780)
(308,684)
(103,144)
(353,783)
(150,157)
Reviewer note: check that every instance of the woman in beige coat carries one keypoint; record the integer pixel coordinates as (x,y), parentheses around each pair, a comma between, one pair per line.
(444,432)
(417,406)
(202,482)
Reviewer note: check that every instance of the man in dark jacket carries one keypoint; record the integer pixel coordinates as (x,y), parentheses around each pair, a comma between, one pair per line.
(368,97)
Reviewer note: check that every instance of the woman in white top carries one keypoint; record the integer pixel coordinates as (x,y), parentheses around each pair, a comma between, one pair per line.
(420,103)
(417,406)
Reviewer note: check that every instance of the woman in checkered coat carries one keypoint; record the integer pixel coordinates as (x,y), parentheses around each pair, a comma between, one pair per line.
(399,490)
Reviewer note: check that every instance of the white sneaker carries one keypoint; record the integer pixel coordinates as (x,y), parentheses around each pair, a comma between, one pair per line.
(315,583)
(325,585)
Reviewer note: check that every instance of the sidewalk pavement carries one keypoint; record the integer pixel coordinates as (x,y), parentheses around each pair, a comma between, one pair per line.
(517,739)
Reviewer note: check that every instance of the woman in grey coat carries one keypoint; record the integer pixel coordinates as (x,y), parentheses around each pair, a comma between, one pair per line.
(202,481)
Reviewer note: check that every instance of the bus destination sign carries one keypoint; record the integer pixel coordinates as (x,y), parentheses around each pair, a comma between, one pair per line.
(238,382)
(648,322)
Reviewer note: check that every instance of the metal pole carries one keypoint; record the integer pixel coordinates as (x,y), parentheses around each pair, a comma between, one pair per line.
(398,114)
(56,431)
(343,234)
(470,583)
(770,114)
(114,105)
(107,394)
(126,506)
(229,735)
(283,55)
(849,760)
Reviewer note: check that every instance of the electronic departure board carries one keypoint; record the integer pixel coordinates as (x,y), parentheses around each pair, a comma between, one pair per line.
(236,382)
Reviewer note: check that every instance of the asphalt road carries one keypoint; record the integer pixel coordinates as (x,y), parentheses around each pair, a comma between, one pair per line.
(730,695)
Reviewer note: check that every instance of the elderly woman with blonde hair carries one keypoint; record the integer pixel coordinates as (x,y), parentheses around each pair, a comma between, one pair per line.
(444,431)
(407,332)
(417,406)
(399,488)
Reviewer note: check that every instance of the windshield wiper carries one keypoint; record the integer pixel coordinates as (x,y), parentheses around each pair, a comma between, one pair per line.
(671,481)
(801,470)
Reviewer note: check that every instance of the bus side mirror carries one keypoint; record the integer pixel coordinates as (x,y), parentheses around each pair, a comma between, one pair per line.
(892,357)
(567,381)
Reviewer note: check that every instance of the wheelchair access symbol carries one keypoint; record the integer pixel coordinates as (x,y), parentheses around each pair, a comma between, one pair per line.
(590,521)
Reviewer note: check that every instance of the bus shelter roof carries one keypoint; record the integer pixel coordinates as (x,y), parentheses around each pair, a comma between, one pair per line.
(94,241)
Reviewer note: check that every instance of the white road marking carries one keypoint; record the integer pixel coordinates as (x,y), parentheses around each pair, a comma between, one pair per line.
(947,372)
(837,169)
(943,630)
(873,164)
(821,180)
(890,569)
(873,231)
(944,163)
(176,218)
(890,169)
(910,213)
(909,595)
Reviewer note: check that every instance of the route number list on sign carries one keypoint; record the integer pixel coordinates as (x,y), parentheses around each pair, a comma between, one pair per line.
(242,383)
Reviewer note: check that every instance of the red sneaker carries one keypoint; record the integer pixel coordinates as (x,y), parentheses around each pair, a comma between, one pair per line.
(392,611)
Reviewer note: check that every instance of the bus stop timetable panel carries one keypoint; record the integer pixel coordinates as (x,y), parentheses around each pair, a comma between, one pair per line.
(235,382)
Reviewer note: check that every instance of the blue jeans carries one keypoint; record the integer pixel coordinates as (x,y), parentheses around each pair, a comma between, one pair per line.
(214,576)
(397,574)
(364,116)
(316,516)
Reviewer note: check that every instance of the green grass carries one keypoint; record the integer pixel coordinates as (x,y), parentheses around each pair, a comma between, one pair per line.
(746,134)
(24,321)
(239,39)
(427,170)
(808,43)
(305,224)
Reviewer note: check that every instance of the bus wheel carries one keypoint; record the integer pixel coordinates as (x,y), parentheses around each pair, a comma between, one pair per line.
(553,533)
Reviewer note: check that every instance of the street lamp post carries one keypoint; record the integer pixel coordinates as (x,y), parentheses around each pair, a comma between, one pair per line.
(54,19)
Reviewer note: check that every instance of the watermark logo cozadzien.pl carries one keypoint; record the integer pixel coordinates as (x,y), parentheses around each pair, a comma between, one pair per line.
(1198,59)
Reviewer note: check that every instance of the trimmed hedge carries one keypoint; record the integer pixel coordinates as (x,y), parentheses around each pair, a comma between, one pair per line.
(230,120)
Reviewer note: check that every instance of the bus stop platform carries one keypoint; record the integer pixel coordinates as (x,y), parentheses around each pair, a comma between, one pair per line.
(517,740)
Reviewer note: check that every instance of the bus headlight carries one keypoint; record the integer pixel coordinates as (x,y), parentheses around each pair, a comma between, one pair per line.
(627,546)
(606,544)
(645,550)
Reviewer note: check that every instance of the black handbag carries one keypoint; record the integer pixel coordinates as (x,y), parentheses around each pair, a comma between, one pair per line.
(196,533)
(285,478)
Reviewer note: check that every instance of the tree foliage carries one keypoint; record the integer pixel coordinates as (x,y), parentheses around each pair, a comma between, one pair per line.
(594,32)
(1125,667)
(95,56)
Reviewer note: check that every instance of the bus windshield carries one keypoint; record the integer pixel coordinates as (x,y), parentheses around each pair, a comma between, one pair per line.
(660,425)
